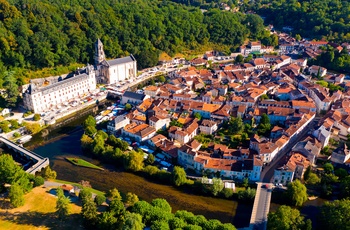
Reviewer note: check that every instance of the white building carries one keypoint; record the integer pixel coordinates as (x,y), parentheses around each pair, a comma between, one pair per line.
(41,98)
(118,123)
(116,70)
(208,127)
(159,122)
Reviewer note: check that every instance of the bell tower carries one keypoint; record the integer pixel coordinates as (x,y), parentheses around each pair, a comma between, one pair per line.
(99,53)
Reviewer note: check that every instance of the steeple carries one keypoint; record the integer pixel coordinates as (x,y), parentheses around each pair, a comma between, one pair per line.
(99,53)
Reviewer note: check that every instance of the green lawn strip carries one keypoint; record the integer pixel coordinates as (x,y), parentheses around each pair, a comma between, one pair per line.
(82,163)
(80,186)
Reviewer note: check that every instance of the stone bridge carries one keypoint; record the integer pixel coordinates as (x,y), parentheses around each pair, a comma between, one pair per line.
(40,162)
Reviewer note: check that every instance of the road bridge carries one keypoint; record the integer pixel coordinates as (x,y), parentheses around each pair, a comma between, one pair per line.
(261,207)
(39,161)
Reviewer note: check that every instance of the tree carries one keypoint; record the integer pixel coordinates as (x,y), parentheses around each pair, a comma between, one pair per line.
(114,194)
(297,193)
(107,221)
(328,168)
(16,195)
(236,125)
(264,126)
(239,58)
(62,204)
(90,130)
(36,117)
(133,221)
(307,173)
(33,128)
(150,159)
(341,173)
(131,199)
(313,179)
(162,204)
(11,88)
(128,107)
(99,199)
(161,79)
(117,208)
(89,212)
(298,37)
(38,181)
(217,186)
(247,195)
(160,225)
(89,121)
(264,97)
(286,218)
(134,161)
(16,134)
(245,182)
(48,173)
(335,215)
(179,176)
(85,195)
(86,141)
(198,116)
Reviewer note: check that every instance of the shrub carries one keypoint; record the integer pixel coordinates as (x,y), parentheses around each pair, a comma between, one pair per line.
(100,199)
(16,134)
(38,181)
(36,117)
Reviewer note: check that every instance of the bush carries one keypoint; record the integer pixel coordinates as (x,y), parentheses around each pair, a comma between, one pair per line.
(227,193)
(16,134)
(247,195)
(100,199)
(38,181)
(36,117)
(28,113)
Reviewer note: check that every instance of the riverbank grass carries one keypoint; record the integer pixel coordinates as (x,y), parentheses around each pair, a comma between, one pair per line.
(82,163)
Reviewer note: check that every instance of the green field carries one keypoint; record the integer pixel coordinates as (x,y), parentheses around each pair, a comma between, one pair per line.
(82,163)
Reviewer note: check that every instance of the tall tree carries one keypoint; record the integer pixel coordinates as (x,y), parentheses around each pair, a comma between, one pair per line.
(297,193)
(11,87)
(16,195)
(134,161)
(62,204)
(179,176)
(335,215)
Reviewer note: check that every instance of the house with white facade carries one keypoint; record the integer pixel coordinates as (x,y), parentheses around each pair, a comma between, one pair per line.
(158,122)
(138,133)
(118,123)
(208,127)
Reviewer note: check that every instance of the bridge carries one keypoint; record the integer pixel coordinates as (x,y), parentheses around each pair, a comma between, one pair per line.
(40,162)
(261,207)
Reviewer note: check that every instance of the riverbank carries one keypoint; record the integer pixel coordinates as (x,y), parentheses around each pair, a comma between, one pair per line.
(226,211)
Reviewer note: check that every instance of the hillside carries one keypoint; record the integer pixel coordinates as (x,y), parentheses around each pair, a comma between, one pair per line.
(38,34)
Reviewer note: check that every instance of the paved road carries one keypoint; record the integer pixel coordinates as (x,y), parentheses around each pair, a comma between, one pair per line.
(267,173)
(261,208)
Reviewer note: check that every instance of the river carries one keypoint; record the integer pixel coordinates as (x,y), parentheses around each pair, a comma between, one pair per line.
(58,144)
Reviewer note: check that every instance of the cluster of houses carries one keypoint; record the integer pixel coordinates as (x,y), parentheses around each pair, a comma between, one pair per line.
(233,90)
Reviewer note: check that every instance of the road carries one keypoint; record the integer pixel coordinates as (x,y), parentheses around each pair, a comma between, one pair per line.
(267,173)
(261,208)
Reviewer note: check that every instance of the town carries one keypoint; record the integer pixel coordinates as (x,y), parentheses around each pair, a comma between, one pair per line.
(262,114)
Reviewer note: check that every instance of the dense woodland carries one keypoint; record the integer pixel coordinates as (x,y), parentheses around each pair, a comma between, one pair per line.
(328,19)
(36,34)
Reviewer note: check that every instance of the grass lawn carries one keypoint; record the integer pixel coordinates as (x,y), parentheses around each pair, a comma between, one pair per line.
(38,212)
(82,163)
(80,186)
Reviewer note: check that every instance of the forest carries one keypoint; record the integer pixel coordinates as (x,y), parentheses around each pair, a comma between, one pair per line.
(328,19)
(38,34)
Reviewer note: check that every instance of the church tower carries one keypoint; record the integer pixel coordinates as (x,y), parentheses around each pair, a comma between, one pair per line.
(99,53)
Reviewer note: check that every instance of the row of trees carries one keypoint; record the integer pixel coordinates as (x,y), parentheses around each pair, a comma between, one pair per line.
(130,213)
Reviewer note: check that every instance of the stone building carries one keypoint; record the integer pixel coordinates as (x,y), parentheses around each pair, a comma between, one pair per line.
(41,97)
(113,71)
